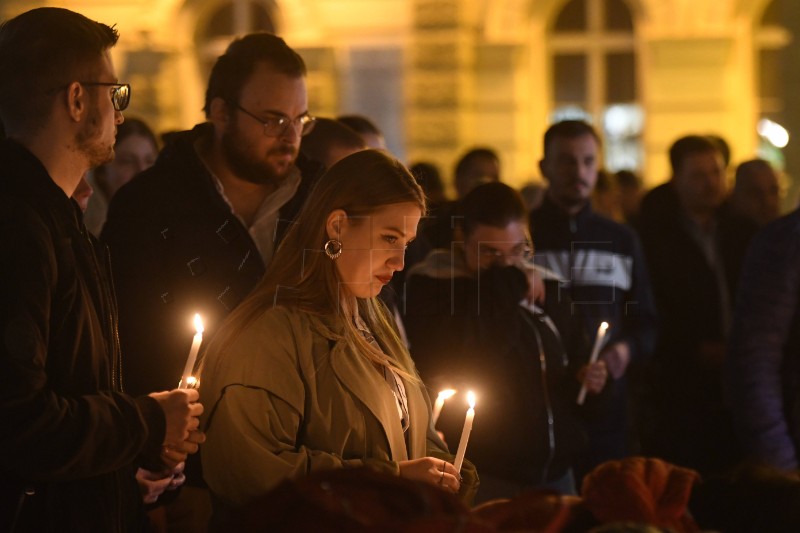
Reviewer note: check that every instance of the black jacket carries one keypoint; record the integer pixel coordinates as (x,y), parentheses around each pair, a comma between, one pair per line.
(689,297)
(177,249)
(471,333)
(69,437)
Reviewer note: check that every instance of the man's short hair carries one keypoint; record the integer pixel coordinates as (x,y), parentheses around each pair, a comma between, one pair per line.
(569,129)
(464,166)
(468,171)
(328,135)
(724,147)
(41,51)
(750,169)
(628,179)
(428,177)
(360,124)
(492,204)
(688,145)
(236,65)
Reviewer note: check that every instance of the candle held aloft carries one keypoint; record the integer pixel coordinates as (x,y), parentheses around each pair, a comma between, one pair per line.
(598,343)
(190,361)
(462,444)
(439,404)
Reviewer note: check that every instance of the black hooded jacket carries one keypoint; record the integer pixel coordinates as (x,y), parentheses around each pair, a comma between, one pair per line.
(469,332)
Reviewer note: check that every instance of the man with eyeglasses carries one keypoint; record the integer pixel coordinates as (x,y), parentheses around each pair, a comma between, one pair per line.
(606,280)
(194,233)
(71,440)
(472,325)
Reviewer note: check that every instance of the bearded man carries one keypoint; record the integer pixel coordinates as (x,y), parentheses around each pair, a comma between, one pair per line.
(194,233)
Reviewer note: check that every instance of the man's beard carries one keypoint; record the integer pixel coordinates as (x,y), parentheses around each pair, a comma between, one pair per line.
(257,171)
(571,195)
(96,153)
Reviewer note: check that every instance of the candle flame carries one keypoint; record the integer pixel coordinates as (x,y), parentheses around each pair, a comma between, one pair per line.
(198,323)
(604,326)
(471,399)
(191,381)
(445,394)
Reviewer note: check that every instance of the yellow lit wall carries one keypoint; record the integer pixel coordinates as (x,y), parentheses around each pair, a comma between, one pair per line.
(473,72)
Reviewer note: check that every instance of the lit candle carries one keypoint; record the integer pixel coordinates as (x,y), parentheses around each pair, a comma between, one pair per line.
(598,342)
(437,406)
(187,379)
(462,444)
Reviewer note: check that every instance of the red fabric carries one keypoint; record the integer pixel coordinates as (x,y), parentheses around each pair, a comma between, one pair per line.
(641,490)
(535,510)
(356,500)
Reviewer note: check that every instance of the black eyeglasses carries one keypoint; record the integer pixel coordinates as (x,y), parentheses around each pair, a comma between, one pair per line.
(120,93)
(276,126)
(523,250)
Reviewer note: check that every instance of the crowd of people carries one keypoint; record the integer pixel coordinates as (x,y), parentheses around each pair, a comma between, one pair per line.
(339,291)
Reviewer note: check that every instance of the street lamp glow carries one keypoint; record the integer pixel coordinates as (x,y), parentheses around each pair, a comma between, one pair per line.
(773,132)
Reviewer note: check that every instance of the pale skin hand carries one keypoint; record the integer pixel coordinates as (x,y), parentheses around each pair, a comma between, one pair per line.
(153,484)
(429,470)
(181,411)
(535,293)
(593,376)
(174,454)
(617,356)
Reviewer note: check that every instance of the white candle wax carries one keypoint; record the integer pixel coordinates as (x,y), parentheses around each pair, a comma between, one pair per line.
(462,444)
(439,404)
(598,343)
(196,342)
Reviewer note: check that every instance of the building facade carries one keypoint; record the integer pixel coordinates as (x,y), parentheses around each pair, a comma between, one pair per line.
(442,76)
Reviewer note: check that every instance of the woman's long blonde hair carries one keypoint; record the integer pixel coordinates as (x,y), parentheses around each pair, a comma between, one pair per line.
(301,276)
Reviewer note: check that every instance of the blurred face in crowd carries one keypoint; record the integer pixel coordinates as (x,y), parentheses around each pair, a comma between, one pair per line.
(570,167)
(758,194)
(700,181)
(251,154)
(132,155)
(487,246)
(481,170)
(373,247)
(98,132)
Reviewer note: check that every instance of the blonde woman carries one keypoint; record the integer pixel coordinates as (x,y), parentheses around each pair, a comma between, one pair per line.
(308,373)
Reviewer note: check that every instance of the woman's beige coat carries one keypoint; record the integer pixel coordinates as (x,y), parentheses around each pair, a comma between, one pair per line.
(283,400)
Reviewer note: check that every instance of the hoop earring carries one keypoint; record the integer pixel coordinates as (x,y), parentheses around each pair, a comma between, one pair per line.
(333,248)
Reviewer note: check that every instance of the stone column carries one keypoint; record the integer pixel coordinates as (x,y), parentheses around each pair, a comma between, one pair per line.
(439,83)
(697,79)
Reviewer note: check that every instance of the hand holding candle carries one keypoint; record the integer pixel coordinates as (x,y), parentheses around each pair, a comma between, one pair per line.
(462,444)
(437,406)
(598,343)
(187,379)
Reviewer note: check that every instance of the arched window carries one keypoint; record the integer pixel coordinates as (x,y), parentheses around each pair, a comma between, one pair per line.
(594,77)
(225,21)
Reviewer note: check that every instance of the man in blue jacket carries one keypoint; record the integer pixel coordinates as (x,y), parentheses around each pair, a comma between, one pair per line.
(606,280)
